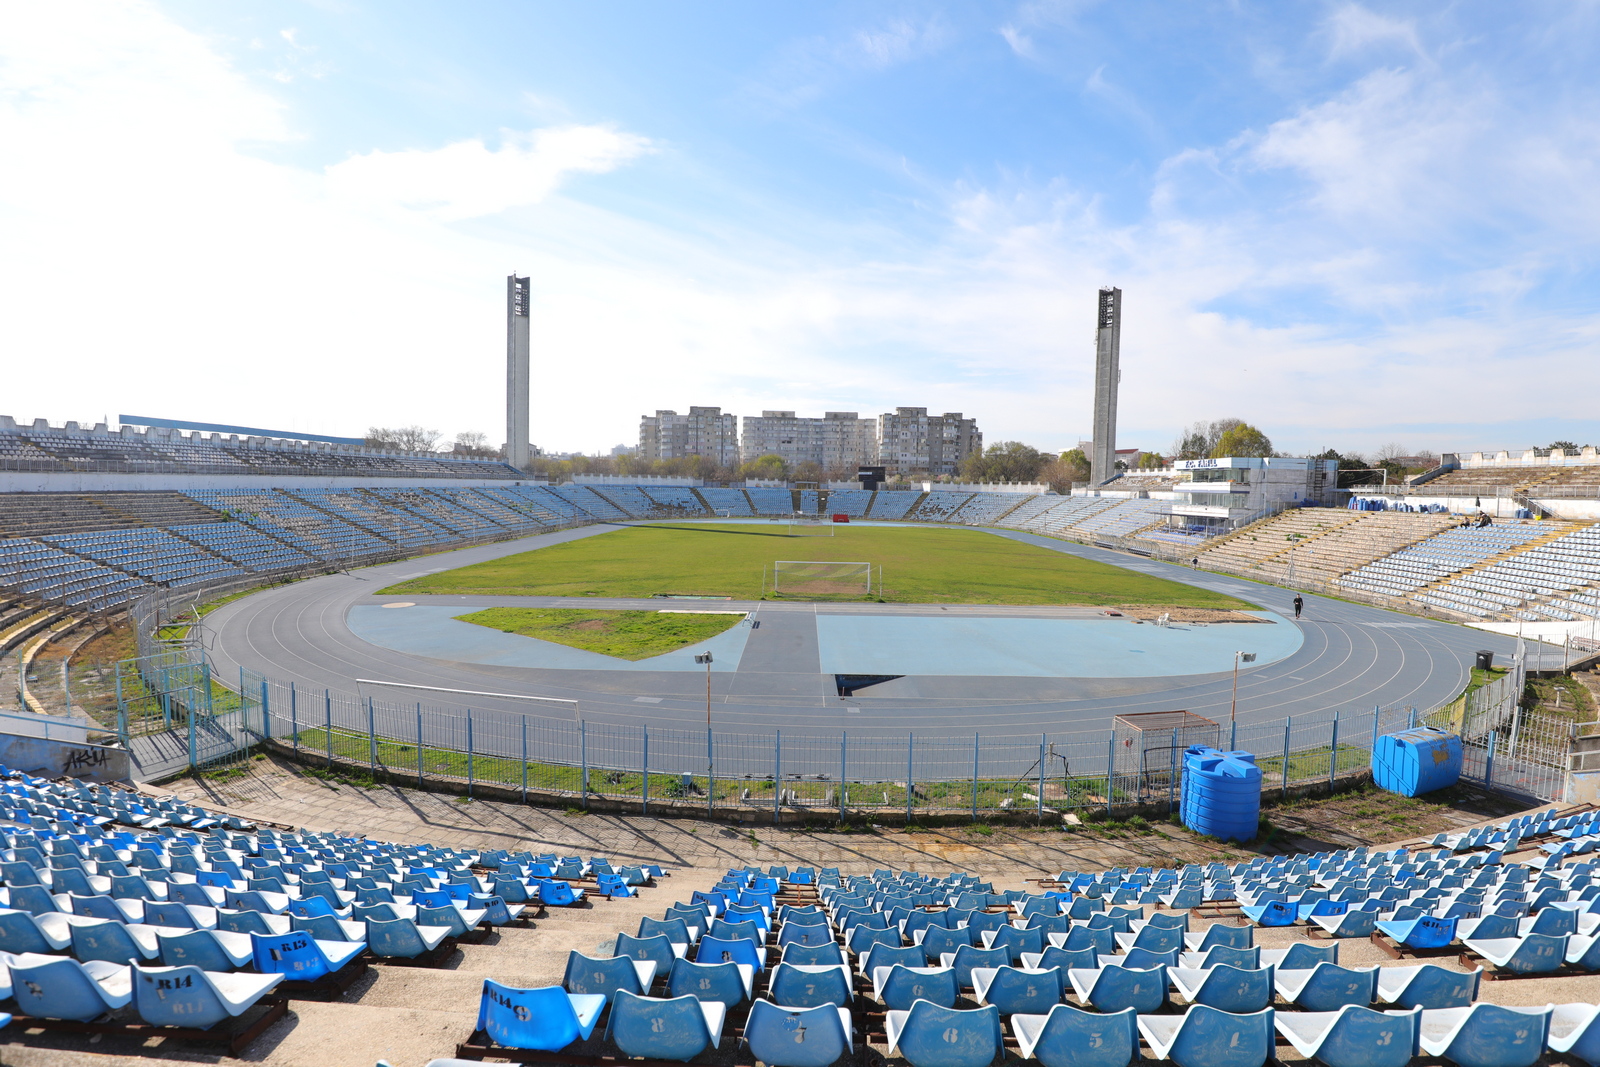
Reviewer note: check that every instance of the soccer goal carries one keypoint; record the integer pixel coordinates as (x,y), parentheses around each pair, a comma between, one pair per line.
(818,578)
(810,526)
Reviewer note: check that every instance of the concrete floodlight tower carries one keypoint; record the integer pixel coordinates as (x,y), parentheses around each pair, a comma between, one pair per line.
(519,294)
(1107,374)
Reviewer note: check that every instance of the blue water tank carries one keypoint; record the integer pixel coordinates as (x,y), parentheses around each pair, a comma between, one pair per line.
(1416,761)
(1221,793)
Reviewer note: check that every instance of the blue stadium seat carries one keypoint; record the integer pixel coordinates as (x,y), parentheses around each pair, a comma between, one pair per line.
(1069,1037)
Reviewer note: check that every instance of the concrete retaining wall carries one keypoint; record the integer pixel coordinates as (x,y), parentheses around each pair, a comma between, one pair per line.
(52,759)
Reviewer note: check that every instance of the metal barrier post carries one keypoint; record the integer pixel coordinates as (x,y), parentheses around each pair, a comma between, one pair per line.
(777,774)
(1411,724)
(1041,776)
(294,720)
(327,702)
(1233,736)
(646,791)
(1333,751)
(525,760)
(583,755)
(974,777)
(910,785)
(419,744)
(1172,773)
(711,772)
(469,752)
(1111,758)
(1375,712)
(191,737)
(372,741)
(1288,724)
(266,711)
(122,709)
(1488,762)
(844,740)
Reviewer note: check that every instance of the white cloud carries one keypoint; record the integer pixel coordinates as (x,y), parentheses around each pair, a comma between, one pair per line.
(1020,42)
(468,180)
(155,262)
(1353,29)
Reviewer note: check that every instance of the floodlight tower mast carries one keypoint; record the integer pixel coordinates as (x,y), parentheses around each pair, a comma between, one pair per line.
(519,294)
(1107,376)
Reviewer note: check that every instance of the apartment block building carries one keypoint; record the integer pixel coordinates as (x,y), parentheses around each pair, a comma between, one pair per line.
(909,439)
(838,440)
(705,431)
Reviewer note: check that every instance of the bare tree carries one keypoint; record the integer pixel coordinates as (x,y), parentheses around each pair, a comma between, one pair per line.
(1199,440)
(476,444)
(403,438)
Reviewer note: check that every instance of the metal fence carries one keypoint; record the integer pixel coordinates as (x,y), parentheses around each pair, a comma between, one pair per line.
(842,775)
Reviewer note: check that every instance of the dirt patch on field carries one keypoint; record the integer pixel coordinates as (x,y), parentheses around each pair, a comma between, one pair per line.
(1208,615)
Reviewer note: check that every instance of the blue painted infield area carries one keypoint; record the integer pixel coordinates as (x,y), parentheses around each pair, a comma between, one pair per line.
(432,630)
(1043,648)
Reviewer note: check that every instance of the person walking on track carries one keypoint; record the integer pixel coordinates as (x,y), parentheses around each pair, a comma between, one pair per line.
(1298,604)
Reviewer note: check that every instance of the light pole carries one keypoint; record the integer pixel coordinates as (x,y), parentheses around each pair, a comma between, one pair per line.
(705,657)
(1233,710)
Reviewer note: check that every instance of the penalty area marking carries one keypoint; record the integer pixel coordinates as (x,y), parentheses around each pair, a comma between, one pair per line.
(573,704)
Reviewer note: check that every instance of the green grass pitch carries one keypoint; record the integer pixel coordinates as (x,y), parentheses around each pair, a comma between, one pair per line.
(625,634)
(920,565)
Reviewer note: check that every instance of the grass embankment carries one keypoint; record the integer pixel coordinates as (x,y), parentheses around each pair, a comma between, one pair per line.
(629,635)
(918,566)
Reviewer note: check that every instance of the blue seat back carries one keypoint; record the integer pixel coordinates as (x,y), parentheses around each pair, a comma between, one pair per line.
(242,922)
(1072,1037)
(1331,987)
(1494,1036)
(1120,988)
(794,988)
(814,955)
(448,916)
(655,947)
(396,938)
(738,950)
(195,948)
(905,987)
(1213,1038)
(968,957)
(1237,991)
(657,1029)
(673,929)
(946,1037)
(294,954)
(321,927)
(176,996)
(1370,1038)
(1438,987)
(58,989)
(167,913)
(863,937)
(97,908)
(19,933)
(1100,940)
(1019,941)
(1015,991)
(586,974)
(109,941)
(706,981)
(540,1019)
(795,1037)
(937,940)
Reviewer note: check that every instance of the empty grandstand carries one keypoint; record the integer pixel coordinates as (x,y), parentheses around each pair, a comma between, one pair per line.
(46,449)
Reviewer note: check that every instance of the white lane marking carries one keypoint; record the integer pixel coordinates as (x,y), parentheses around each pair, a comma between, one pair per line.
(647,700)
(402,604)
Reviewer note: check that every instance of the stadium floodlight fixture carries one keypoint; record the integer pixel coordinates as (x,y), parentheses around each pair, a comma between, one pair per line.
(1238,658)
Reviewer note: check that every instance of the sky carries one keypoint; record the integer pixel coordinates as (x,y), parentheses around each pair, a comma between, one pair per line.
(1349,225)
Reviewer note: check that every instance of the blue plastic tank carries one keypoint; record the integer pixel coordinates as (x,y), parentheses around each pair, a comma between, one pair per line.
(1416,761)
(1221,793)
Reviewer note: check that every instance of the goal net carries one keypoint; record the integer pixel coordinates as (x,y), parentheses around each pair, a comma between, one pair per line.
(807,578)
(810,526)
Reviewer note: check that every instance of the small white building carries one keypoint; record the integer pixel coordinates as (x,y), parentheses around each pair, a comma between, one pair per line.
(1219,494)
